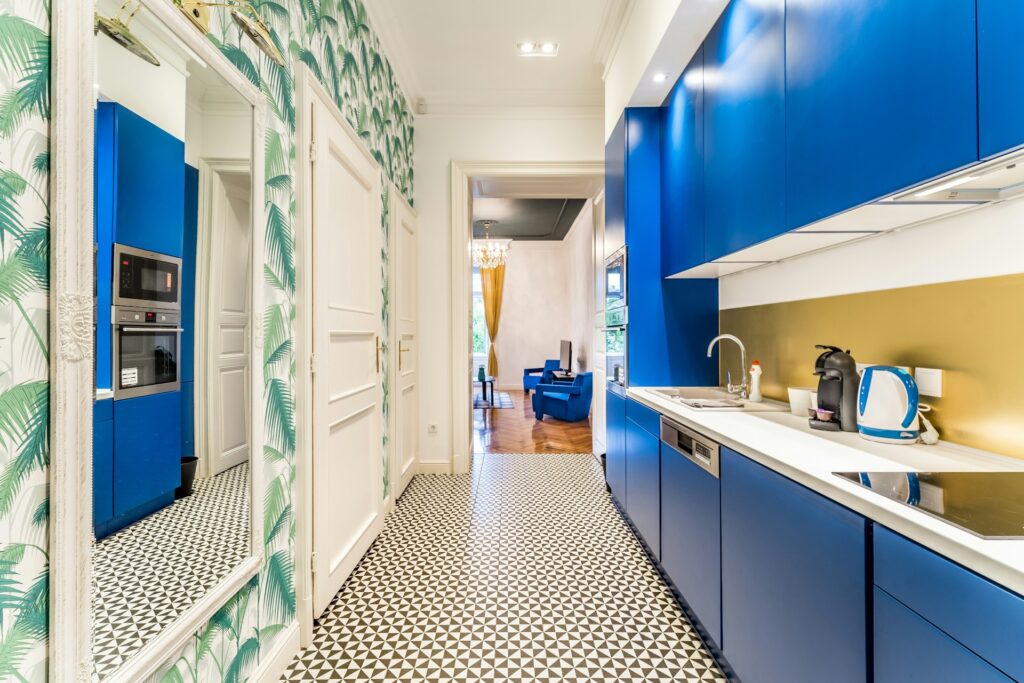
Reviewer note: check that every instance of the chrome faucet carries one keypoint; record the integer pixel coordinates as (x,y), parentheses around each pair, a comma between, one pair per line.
(741,388)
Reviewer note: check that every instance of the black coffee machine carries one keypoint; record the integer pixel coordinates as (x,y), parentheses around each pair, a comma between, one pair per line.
(837,389)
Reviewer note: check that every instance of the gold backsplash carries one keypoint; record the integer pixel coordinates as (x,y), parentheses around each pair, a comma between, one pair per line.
(973,330)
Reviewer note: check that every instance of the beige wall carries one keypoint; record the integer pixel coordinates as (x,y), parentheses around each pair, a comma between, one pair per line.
(439,140)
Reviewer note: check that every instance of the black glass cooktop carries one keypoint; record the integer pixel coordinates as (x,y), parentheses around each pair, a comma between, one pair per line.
(987,504)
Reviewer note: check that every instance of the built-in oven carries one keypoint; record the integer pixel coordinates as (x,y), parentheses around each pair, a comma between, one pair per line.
(616,318)
(146,279)
(147,349)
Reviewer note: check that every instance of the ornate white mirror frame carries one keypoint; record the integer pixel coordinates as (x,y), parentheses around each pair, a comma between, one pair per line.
(72,388)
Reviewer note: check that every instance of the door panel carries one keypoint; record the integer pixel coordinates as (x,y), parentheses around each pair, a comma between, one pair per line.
(406,337)
(222,399)
(1000,76)
(347,416)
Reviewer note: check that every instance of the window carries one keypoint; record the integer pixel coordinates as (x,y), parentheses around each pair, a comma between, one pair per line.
(481,343)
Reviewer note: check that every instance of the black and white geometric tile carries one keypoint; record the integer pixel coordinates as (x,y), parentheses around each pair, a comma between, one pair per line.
(146,575)
(522,570)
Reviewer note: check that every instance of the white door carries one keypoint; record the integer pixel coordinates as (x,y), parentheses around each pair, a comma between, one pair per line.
(347,417)
(407,391)
(222,403)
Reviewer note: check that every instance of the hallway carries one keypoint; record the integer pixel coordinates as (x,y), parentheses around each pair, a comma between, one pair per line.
(522,570)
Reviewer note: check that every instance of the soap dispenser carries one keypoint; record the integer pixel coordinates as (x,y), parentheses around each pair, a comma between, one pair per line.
(755,382)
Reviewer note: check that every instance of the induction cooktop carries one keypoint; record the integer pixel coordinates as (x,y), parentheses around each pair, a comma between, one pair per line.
(986,504)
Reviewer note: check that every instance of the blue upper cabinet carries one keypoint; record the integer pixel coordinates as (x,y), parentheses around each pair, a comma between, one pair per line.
(142,187)
(615,189)
(682,171)
(794,580)
(670,321)
(744,126)
(1000,76)
(880,96)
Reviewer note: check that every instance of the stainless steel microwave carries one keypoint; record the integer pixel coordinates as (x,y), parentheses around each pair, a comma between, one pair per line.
(146,279)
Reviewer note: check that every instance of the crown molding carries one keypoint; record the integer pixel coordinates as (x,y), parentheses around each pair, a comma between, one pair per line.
(472,111)
(613,20)
(382,19)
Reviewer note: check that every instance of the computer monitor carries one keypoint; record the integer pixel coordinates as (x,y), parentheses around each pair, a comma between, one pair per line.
(565,356)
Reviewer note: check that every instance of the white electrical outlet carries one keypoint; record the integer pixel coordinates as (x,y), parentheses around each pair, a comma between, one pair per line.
(431,429)
(929,381)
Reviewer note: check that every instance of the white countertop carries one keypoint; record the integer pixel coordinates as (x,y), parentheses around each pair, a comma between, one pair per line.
(786,444)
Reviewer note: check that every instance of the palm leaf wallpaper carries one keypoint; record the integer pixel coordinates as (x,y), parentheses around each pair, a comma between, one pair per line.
(334,39)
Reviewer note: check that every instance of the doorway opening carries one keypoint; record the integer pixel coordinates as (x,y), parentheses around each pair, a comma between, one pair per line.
(532,312)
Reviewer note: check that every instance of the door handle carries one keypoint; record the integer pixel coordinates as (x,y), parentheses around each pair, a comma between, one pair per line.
(151,329)
(378,349)
(400,352)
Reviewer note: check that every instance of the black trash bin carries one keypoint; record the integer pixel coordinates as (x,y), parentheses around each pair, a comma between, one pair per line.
(188,477)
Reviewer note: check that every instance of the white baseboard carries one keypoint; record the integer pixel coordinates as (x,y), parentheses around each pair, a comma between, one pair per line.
(273,665)
(437,467)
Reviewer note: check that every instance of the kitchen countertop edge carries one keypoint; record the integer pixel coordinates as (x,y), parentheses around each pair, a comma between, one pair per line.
(1001,561)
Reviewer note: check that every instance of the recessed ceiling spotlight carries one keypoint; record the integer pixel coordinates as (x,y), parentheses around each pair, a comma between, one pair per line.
(660,77)
(528,48)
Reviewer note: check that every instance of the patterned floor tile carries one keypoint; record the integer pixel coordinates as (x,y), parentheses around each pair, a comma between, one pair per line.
(521,570)
(146,575)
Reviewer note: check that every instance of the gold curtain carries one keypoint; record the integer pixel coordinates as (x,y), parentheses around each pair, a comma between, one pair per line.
(492,281)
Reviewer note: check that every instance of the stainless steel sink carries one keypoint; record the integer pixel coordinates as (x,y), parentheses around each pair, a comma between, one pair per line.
(717,398)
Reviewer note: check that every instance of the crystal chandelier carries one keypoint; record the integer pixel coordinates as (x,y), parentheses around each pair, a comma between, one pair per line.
(488,253)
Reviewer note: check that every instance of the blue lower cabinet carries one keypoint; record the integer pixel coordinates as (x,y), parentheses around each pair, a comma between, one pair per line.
(615,458)
(147,453)
(691,541)
(643,483)
(794,580)
(984,617)
(102,464)
(908,649)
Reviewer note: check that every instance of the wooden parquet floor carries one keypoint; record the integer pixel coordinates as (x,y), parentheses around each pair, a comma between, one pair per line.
(516,430)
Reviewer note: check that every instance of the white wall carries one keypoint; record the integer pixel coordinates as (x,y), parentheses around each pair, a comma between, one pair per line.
(535,309)
(438,142)
(579,248)
(548,297)
(984,242)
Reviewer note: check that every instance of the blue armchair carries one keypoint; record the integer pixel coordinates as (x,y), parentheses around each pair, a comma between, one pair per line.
(534,376)
(568,402)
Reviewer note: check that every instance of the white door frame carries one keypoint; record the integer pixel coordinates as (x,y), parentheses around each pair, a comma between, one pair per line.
(211,171)
(462,173)
(72,390)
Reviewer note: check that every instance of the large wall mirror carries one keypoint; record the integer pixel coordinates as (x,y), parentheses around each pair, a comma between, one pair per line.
(178,270)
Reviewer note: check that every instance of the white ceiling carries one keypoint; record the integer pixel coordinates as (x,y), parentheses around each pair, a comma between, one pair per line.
(459,56)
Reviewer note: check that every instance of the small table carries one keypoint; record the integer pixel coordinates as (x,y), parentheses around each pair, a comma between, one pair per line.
(563,377)
(483,388)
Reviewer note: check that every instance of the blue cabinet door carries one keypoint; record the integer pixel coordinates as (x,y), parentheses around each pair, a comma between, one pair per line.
(983,616)
(643,483)
(744,126)
(615,458)
(615,189)
(682,171)
(102,462)
(908,648)
(145,187)
(794,581)
(880,95)
(691,542)
(1000,76)
(147,450)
